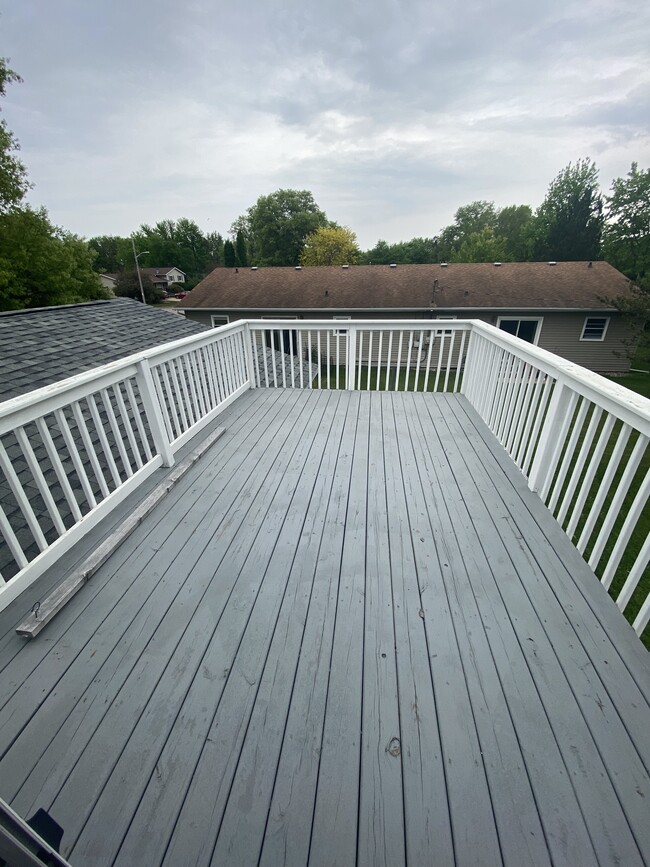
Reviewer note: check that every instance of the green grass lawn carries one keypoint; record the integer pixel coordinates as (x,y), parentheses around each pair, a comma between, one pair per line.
(369,379)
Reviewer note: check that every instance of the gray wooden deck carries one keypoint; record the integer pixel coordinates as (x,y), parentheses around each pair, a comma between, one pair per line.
(350,635)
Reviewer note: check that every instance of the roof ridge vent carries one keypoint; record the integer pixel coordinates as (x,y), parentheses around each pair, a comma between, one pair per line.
(253,267)
(443,264)
(345,266)
(298,267)
(497,264)
(552,263)
(393,264)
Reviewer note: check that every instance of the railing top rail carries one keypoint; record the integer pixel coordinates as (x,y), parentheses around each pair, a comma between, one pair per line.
(627,405)
(342,324)
(99,377)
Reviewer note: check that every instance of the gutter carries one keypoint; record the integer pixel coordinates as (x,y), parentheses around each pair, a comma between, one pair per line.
(403,309)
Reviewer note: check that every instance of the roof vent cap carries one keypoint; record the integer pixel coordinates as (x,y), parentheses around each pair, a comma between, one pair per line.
(298,267)
(552,263)
(393,264)
(443,264)
(497,264)
(345,266)
(253,267)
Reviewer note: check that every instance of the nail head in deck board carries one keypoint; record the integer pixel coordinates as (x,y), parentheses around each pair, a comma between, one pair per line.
(43,612)
(129,661)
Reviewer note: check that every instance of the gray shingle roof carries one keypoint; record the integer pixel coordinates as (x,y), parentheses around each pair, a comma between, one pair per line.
(513,285)
(42,346)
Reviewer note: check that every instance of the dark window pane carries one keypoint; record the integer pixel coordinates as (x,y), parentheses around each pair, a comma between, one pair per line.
(527,329)
(509,325)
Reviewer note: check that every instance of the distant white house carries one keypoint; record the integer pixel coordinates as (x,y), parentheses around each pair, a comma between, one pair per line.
(162,278)
(108,281)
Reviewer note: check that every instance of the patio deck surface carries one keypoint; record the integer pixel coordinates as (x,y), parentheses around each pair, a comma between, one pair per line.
(350,635)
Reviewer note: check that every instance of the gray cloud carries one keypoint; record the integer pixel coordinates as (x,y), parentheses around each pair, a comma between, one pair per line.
(393,114)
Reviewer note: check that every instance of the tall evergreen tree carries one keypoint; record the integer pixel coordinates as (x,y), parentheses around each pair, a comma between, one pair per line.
(229,254)
(241,250)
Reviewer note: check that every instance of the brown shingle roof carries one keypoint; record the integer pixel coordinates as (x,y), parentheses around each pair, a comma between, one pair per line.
(513,285)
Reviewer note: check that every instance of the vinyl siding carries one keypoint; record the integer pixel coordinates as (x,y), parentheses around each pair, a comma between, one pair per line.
(560,332)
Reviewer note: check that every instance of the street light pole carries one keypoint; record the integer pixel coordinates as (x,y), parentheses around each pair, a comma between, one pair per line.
(136,256)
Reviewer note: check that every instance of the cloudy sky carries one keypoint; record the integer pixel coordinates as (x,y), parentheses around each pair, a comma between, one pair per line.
(392,112)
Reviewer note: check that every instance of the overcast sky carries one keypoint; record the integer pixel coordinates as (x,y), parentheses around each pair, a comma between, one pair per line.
(392,112)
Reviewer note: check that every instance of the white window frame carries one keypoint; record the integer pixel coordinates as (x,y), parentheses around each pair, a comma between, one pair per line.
(594,339)
(452,316)
(219,316)
(538,319)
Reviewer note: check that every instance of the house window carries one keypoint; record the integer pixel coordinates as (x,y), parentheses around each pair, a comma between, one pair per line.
(595,328)
(217,321)
(447,330)
(341,319)
(525,327)
(282,341)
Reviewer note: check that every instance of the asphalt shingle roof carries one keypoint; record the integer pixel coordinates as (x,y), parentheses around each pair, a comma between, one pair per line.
(510,286)
(42,346)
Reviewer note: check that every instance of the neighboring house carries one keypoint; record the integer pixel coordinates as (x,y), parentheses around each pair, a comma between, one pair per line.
(559,306)
(164,278)
(108,281)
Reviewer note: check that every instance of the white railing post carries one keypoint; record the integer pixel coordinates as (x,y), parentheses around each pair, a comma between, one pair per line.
(248,349)
(351,358)
(468,371)
(154,412)
(551,439)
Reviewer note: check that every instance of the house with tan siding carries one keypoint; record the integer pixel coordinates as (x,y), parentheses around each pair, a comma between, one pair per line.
(564,307)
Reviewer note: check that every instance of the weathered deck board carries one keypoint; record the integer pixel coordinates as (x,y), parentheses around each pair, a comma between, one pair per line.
(351,635)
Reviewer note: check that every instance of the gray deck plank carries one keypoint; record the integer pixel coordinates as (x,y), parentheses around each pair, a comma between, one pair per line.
(289,823)
(166,668)
(472,709)
(626,659)
(533,756)
(567,684)
(203,751)
(244,822)
(335,822)
(381,812)
(113,649)
(350,636)
(428,834)
(124,605)
(628,778)
(239,419)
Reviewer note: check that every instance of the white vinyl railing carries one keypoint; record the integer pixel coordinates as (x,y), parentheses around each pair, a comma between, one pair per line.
(72,451)
(369,355)
(582,443)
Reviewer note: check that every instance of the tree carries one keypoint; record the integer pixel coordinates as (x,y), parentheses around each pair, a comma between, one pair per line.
(481,246)
(229,254)
(417,251)
(277,225)
(568,224)
(13,177)
(627,233)
(241,252)
(513,227)
(128,286)
(112,253)
(331,246)
(42,265)
(468,220)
